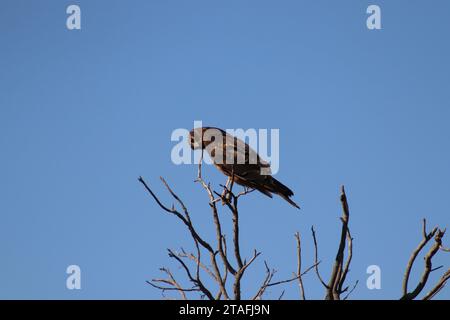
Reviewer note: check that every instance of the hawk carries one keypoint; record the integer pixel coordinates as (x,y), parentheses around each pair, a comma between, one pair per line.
(240,163)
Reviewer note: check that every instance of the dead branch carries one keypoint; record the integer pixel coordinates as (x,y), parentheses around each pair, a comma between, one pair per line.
(299,266)
(219,234)
(220,265)
(316,258)
(238,272)
(172,282)
(196,281)
(231,201)
(335,286)
(438,234)
(351,291)
(198,263)
(347,263)
(186,220)
(426,238)
(438,287)
(269,276)
(197,239)
(336,280)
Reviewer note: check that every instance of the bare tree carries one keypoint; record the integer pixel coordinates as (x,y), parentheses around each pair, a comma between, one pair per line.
(226,268)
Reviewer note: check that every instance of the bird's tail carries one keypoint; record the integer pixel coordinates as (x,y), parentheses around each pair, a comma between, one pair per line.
(283,191)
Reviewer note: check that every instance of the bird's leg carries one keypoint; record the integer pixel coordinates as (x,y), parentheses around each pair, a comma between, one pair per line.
(199,172)
(226,192)
(231,185)
(225,188)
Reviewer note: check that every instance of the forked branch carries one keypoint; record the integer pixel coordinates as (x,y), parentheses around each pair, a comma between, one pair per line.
(437,234)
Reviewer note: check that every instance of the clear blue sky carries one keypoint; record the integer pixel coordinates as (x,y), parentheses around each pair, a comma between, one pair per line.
(84,113)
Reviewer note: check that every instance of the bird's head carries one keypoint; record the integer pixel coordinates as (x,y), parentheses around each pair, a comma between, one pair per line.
(200,138)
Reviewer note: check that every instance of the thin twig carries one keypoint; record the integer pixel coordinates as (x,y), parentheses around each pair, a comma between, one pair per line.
(350,292)
(438,287)
(171,281)
(268,280)
(316,258)
(299,266)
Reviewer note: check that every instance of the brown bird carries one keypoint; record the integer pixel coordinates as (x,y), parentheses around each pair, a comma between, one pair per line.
(240,163)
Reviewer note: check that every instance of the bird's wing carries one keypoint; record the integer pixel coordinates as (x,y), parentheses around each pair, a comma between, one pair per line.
(235,156)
